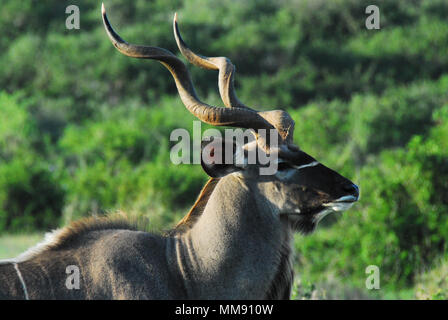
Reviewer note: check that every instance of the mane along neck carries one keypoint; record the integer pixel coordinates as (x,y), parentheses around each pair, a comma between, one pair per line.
(69,235)
(196,211)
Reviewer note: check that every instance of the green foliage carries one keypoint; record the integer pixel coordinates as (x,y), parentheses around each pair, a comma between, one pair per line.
(347,134)
(84,129)
(121,160)
(13,245)
(30,196)
(400,224)
(433,284)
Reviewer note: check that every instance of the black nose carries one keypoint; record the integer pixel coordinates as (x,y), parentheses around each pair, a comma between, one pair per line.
(352,189)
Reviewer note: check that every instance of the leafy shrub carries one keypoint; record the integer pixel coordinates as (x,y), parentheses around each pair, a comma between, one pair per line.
(432,283)
(122,160)
(345,135)
(84,129)
(30,196)
(400,223)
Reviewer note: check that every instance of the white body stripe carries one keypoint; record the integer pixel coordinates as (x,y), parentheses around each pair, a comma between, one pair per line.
(19,274)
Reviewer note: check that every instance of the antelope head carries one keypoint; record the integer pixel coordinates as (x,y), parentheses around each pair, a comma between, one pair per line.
(301,190)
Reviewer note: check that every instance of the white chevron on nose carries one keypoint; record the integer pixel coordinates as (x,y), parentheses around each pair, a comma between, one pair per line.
(312,164)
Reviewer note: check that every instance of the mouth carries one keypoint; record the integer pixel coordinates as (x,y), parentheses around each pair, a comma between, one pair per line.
(307,220)
(346,199)
(341,204)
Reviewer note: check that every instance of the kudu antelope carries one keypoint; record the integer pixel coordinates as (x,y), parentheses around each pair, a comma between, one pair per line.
(235,243)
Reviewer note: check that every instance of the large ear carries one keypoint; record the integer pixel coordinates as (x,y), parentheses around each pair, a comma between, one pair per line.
(218,157)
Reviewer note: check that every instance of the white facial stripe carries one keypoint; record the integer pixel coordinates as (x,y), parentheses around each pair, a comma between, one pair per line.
(312,164)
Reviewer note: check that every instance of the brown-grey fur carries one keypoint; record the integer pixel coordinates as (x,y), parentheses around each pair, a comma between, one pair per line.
(231,252)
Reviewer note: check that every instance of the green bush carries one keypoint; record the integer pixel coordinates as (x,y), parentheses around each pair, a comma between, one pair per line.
(433,283)
(122,160)
(85,130)
(345,135)
(400,223)
(30,196)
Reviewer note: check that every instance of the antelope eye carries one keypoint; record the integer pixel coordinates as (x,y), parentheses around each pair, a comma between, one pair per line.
(283,166)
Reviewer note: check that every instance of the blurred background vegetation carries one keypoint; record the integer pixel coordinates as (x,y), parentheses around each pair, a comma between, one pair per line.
(85,130)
